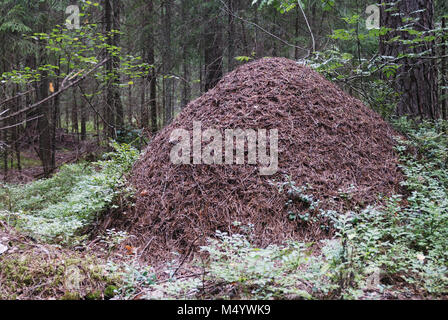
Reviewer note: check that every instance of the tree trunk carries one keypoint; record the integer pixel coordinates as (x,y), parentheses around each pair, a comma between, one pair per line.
(109,111)
(231,36)
(84,119)
(212,48)
(186,87)
(118,105)
(17,133)
(113,113)
(144,116)
(416,79)
(297,33)
(444,74)
(152,78)
(43,123)
(167,62)
(259,46)
(75,123)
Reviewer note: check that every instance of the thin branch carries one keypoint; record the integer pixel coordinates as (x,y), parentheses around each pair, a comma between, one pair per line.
(93,108)
(20,123)
(17,96)
(56,93)
(309,28)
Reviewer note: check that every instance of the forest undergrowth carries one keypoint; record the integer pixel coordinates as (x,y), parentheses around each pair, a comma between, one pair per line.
(395,251)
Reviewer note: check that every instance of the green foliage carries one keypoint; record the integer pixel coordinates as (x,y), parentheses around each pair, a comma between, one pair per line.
(58,208)
(243,59)
(133,275)
(254,273)
(119,162)
(360,77)
(13,20)
(78,50)
(132,136)
(405,241)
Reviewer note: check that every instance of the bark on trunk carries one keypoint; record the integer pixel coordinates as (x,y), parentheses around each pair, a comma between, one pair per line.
(416,79)
(212,49)
(152,78)
(444,75)
(167,62)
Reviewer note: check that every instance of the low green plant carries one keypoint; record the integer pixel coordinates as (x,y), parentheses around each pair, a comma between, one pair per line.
(236,268)
(59,208)
(134,277)
(404,241)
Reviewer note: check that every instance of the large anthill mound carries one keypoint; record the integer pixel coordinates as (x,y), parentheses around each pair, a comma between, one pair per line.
(328,140)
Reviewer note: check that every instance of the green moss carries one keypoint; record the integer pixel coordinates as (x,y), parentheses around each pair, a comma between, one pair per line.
(96,295)
(71,296)
(34,274)
(110,291)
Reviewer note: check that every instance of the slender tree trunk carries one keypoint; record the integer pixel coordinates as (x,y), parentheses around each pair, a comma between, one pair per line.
(17,133)
(167,61)
(54,118)
(130,105)
(109,111)
(5,153)
(152,78)
(144,117)
(31,125)
(297,32)
(213,48)
(75,118)
(444,74)
(118,105)
(201,68)
(153,101)
(259,48)
(113,113)
(4,134)
(416,79)
(231,36)
(67,118)
(43,123)
(97,127)
(274,31)
(84,119)
(186,87)
(244,39)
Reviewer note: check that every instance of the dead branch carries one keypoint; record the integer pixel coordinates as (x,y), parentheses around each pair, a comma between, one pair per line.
(56,93)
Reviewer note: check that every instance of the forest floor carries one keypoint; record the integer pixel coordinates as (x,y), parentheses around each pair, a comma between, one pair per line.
(68,150)
(34,270)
